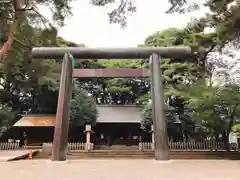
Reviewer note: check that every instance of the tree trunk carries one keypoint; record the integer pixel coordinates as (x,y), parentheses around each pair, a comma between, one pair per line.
(8,44)
(12,30)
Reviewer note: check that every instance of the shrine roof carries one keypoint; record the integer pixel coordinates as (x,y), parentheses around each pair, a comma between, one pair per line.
(36,120)
(118,114)
(106,114)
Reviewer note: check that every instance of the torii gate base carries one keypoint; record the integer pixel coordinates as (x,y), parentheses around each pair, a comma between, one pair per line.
(63,110)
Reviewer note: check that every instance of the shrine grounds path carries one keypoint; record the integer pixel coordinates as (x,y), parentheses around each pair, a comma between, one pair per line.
(120,170)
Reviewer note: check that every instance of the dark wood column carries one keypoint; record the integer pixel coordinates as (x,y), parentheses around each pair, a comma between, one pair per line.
(60,140)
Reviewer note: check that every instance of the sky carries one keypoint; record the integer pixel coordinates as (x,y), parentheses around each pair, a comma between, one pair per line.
(90,25)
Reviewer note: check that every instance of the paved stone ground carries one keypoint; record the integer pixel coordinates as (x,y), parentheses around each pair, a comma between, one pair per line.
(120,170)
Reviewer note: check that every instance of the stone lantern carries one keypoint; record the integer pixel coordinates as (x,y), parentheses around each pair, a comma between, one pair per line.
(88,131)
(153,138)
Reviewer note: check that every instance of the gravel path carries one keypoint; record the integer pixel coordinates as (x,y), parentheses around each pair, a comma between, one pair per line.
(121,170)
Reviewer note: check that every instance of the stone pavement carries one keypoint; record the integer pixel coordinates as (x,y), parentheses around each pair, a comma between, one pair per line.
(121,170)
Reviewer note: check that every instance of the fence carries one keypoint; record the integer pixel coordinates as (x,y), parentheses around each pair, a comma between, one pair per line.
(9,145)
(209,145)
(80,146)
(75,146)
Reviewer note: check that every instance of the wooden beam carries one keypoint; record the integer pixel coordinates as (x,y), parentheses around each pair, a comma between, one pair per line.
(110,53)
(111,72)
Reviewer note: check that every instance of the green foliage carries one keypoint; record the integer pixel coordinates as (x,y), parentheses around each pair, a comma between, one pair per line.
(146,115)
(31,84)
(63,43)
(117,85)
(114,89)
(124,8)
(120,85)
(120,12)
(165,38)
(60,9)
(83,107)
(215,108)
(121,63)
(236,129)
(144,99)
(7,118)
(176,72)
(116,82)
(224,17)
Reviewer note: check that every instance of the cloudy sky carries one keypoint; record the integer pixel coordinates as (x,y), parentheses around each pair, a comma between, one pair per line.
(90,25)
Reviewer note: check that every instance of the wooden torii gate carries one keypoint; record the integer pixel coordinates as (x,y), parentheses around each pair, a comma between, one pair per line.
(65,92)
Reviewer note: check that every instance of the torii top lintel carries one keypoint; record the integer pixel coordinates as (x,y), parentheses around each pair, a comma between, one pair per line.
(110,53)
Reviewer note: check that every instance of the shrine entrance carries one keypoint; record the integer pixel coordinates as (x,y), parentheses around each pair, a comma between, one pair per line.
(154,54)
(116,134)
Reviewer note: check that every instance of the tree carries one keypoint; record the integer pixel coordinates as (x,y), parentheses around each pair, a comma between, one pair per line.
(83,107)
(24,80)
(223,17)
(125,90)
(179,74)
(146,115)
(236,129)
(30,85)
(176,72)
(223,65)
(124,8)
(224,14)
(114,90)
(167,37)
(7,118)
(15,12)
(214,108)
(23,77)
(120,13)
(177,130)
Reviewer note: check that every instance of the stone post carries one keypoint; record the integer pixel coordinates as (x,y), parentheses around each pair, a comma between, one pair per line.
(153,140)
(25,137)
(88,130)
(140,143)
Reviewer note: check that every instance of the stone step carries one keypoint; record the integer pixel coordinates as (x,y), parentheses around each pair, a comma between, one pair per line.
(149,154)
(124,148)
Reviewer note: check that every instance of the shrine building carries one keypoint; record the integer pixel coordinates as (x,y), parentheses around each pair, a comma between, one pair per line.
(115,125)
